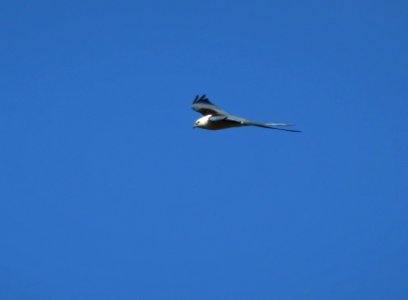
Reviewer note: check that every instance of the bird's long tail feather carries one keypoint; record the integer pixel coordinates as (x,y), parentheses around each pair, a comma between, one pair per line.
(276,126)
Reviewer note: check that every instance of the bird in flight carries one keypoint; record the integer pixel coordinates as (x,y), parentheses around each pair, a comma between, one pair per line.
(214,118)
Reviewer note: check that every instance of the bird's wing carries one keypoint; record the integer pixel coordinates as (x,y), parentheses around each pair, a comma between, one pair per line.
(218,118)
(205,107)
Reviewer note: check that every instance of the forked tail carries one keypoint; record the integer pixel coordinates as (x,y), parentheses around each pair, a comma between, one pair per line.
(274,126)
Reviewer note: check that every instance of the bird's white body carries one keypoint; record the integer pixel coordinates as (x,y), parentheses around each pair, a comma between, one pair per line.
(206,123)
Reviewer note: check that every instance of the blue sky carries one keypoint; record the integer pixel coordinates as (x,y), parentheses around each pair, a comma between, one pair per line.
(106,191)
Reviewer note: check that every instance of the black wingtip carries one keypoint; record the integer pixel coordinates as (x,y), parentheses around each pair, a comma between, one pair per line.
(201,99)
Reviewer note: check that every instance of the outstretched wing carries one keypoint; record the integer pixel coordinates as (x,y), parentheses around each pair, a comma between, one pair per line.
(229,118)
(205,107)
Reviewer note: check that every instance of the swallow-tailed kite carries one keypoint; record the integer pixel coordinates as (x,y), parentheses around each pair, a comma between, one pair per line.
(215,118)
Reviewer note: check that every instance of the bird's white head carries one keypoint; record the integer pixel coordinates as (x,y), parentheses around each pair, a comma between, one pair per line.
(202,122)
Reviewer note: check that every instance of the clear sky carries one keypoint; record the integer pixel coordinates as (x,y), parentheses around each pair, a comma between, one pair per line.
(106,191)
